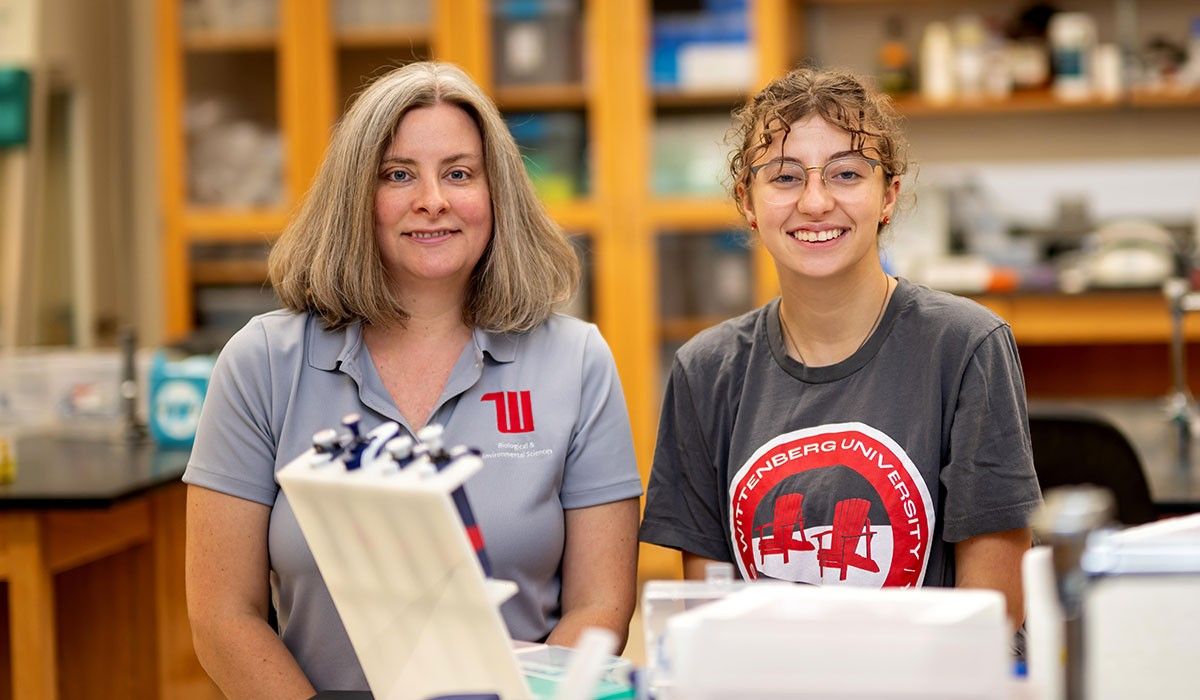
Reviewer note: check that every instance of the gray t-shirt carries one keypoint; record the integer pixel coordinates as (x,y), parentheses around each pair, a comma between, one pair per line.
(863,472)
(545,407)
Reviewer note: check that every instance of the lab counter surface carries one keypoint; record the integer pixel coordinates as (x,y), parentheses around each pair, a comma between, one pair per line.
(91,550)
(1173,478)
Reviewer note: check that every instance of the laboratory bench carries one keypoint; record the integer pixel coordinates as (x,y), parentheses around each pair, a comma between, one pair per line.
(91,562)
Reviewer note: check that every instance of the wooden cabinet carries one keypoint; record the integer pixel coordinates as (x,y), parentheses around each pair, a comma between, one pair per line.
(292,77)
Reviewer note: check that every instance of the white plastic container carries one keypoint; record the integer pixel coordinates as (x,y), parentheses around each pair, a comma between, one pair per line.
(1072,40)
(776,641)
(937,63)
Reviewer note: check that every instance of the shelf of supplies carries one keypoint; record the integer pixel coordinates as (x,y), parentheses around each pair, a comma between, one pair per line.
(699,214)
(1024,102)
(221,40)
(698,99)
(682,329)
(1043,101)
(220,272)
(573,216)
(1165,99)
(233,225)
(383,37)
(541,97)
(1101,317)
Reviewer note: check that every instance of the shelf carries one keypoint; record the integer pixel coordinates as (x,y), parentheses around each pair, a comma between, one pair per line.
(216,41)
(699,215)
(541,97)
(383,37)
(1042,101)
(224,272)
(699,99)
(1102,317)
(579,215)
(233,225)
(1163,99)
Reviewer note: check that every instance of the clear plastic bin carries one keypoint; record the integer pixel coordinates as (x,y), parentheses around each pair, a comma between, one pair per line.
(661,600)
(71,389)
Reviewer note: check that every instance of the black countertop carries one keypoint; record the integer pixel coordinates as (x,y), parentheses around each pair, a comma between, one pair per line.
(59,471)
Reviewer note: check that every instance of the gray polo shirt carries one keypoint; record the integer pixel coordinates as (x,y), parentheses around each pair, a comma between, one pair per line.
(546,408)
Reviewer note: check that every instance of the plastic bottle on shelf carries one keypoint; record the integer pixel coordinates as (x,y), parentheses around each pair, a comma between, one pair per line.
(1190,75)
(997,70)
(895,60)
(1107,72)
(1072,39)
(937,63)
(970,40)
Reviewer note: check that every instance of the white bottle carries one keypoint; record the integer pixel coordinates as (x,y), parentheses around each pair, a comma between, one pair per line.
(937,63)
(1107,72)
(970,39)
(1190,75)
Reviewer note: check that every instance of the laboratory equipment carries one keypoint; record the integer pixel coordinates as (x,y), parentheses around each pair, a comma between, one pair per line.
(405,565)
(722,638)
(1111,613)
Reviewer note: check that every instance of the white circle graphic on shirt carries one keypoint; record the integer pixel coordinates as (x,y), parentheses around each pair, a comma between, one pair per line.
(876,535)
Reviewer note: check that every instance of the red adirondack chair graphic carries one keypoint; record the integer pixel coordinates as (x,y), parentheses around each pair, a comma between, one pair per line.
(850,524)
(787,519)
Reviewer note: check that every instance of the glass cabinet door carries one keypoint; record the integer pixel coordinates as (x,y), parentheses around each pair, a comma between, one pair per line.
(374,36)
(703,279)
(235,146)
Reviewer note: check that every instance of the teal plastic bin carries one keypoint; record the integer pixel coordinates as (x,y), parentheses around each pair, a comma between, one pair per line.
(177,389)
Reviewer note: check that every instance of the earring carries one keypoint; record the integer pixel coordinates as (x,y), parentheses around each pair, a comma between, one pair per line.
(885,221)
(753,224)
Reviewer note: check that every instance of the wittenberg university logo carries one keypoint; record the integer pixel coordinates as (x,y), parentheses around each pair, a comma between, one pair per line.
(514,410)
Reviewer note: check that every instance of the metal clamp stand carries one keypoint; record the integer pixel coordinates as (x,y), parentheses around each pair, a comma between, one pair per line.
(1066,520)
(133,430)
(1181,405)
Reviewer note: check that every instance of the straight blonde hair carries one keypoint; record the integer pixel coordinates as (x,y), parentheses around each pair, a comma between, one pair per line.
(327,261)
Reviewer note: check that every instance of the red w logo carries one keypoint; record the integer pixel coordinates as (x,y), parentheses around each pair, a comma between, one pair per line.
(514,410)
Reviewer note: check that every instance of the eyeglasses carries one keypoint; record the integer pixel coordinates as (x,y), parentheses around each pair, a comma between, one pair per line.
(782,181)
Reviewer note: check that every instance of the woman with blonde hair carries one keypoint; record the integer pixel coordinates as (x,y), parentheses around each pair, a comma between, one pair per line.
(860,429)
(419,277)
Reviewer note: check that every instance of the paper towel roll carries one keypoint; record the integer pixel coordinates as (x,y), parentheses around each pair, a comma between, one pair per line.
(1043,625)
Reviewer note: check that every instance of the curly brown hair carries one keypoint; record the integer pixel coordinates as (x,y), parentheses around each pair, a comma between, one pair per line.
(840,97)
